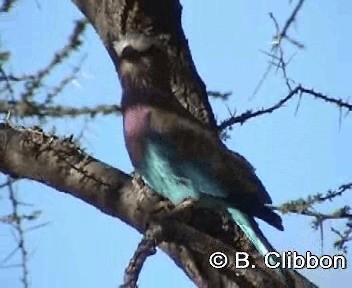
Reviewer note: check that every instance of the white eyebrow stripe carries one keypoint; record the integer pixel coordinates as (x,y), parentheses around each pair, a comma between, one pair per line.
(139,42)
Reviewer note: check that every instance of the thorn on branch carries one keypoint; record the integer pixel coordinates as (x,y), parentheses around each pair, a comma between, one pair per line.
(345,236)
(216,94)
(280,35)
(306,207)
(298,90)
(277,53)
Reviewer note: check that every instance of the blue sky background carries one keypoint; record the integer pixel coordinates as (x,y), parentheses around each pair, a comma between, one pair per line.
(295,155)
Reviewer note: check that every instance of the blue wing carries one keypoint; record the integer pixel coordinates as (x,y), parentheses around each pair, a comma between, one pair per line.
(176,179)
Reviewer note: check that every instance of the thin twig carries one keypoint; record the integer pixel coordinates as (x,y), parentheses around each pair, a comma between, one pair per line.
(298,90)
(20,231)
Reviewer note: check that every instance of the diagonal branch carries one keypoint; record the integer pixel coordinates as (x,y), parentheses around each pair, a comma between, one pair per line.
(188,240)
(291,19)
(191,240)
(162,19)
(299,90)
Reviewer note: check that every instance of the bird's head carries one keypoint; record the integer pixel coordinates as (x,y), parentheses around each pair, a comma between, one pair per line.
(142,62)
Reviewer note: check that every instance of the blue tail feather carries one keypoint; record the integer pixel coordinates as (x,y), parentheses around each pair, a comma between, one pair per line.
(246,225)
(250,229)
(177,181)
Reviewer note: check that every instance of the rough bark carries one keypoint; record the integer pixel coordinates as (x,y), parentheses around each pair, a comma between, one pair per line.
(160,18)
(189,238)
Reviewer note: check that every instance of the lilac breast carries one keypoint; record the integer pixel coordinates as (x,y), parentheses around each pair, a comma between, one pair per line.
(135,124)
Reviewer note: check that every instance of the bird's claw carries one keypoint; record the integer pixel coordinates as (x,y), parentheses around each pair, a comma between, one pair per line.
(162,206)
(186,205)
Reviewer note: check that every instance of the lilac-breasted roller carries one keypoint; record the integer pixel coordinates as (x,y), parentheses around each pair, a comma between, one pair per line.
(177,155)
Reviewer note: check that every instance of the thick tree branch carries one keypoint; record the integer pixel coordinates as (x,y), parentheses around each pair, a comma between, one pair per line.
(162,19)
(189,238)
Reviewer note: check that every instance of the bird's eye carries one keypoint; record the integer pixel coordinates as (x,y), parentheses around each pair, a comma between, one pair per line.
(129,53)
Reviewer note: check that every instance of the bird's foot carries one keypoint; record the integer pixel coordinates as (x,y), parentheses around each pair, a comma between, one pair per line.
(137,180)
(186,205)
(162,206)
